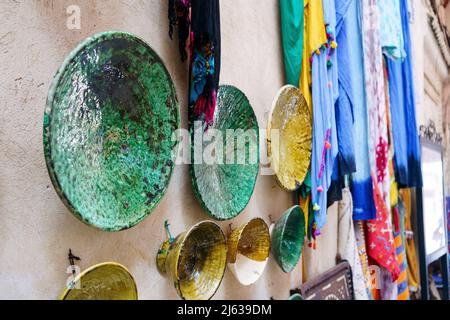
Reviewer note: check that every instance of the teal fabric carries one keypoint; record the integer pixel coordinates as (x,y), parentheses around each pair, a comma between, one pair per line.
(292,28)
(391,34)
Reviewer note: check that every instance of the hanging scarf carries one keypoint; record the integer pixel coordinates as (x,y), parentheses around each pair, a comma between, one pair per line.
(399,239)
(403,110)
(324,95)
(362,188)
(347,245)
(292,29)
(362,252)
(351,91)
(391,35)
(205,60)
(199,21)
(410,246)
(380,238)
(314,37)
(179,17)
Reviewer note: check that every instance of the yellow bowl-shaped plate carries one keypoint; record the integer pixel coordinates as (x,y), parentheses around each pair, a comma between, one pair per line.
(196,261)
(248,251)
(105,281)
(289,138)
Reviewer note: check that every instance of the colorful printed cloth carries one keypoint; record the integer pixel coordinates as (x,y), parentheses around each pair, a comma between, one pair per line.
(292,29)
(324,95)
(359,228)
(347,246)
(205,60)
(391,34)
(376,99)
(380,238)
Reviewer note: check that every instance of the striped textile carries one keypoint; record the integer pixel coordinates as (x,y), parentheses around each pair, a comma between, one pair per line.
(402,281)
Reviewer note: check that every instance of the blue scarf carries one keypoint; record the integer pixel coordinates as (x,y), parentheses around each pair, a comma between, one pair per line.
(403,113)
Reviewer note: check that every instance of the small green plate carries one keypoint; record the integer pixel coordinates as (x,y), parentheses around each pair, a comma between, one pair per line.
(224,187)
(111,112)
(288,238)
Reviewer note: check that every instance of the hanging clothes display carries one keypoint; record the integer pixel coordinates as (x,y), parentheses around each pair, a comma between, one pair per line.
(324,95)
(347,245)
(403,110)
(292,29)
(379,235)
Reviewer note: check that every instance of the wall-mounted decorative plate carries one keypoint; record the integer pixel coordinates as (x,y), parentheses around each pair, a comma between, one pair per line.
(105,281)
(248,251)
(195,261)
(111,111)
(289,138)
(288,238)
(225,176)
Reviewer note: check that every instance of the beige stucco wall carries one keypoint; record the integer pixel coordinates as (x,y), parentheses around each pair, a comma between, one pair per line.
(36,230)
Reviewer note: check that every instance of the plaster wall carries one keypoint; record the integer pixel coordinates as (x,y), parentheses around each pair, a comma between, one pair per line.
(36,230)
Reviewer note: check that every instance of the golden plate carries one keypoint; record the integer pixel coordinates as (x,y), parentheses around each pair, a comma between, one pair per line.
(289,138)
(195,261)
(105,281)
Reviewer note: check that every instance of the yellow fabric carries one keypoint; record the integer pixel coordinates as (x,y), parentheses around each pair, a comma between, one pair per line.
(304,204)
(315,36)
(413,268)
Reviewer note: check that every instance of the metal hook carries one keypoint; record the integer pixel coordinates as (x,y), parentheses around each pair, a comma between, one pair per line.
(72,259)
(167,227)
(230,229)
(271,219)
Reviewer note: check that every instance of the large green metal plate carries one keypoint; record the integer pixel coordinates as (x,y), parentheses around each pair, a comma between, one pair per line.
(110,115)
(225,187)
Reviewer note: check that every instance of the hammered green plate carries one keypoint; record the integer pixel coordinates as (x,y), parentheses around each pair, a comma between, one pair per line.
(110,115)
(224,185)
(288,238)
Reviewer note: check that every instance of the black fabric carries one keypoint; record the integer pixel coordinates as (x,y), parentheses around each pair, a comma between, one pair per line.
(205,20)
(179,17)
